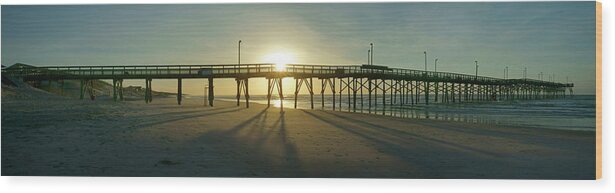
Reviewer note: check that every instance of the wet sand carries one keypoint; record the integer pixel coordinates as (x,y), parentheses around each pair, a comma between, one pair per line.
(69,137)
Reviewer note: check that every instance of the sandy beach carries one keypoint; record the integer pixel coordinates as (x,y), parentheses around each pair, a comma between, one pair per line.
(68,137)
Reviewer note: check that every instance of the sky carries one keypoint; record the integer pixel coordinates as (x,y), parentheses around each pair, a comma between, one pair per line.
(556,38)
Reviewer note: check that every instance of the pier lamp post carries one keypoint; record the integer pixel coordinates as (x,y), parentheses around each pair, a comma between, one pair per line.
(371,47)
(239,54)
(425,52)
(525,73)
(368,51)
(476,62)
(435,65)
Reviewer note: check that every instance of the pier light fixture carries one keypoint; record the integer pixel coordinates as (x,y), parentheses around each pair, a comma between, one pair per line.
(239,52)
(371,47)
(476,62)
(425,52)
(368,57)
(435,65)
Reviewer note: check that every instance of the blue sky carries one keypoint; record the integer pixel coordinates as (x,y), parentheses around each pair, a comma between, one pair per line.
(551,37)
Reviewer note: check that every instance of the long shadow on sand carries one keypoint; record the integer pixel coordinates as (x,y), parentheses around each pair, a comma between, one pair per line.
(472,161)
(402,134)
(177,116)
(263,145)
(411,148)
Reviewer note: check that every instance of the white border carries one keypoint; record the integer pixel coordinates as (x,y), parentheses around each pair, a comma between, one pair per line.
(25,2)
(270,185)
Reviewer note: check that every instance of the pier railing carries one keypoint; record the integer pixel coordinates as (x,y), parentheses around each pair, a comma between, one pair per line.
(258,70)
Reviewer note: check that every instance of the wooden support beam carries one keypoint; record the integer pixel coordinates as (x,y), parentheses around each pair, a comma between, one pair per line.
(298,83)
(394,91)
(114,89)
(91,89)
(426,89)
(246,92)
(451,91)
(341,92)
(369,94)
(412,90)
(392,94)
(461,91)
(417,92)
(354,94)
(242,86)
(210,93)
(376,87)
(322,92)
(146,91)
(311,89)
(436,91)
(348,92)
(179,91)
(384,94)
(280,91)
(272,83)
(269,91)
(402,92)
(121,89)
(332,85)
(238,95)
(82,85)
(361,92)
(150,95)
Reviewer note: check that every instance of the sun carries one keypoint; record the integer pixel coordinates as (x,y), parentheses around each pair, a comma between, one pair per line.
(280,59)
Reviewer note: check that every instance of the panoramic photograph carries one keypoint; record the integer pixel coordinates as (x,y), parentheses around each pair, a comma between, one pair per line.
(417,90)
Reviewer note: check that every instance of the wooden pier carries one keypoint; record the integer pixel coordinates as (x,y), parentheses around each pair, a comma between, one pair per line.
(401,86)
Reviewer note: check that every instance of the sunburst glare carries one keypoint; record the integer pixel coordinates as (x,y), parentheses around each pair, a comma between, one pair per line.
(280,59)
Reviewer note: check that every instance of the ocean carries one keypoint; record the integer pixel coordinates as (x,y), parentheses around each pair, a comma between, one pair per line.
(571,113)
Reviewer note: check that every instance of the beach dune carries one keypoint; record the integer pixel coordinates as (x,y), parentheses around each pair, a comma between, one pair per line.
(68,137)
